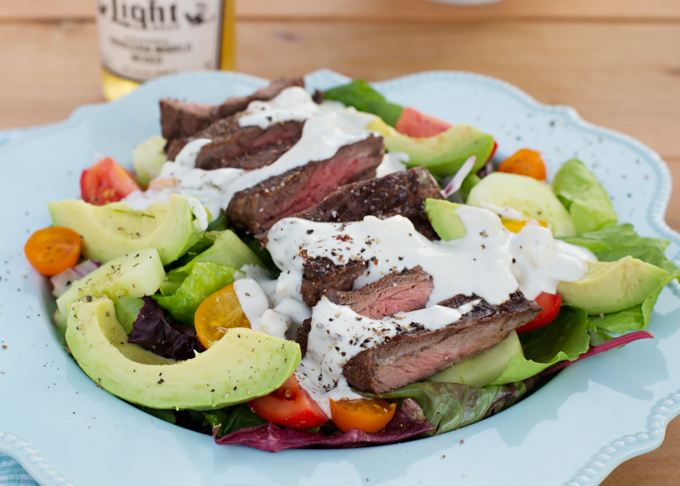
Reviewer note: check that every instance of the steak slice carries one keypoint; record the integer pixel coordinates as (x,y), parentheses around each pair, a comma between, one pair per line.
(258,208)
(322,275)
(397,292)
(180,119)
(302,335)
(413,356)
(250,147)
(402,192)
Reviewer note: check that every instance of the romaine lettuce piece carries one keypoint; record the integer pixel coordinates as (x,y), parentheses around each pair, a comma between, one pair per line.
(588,203)
(566,338)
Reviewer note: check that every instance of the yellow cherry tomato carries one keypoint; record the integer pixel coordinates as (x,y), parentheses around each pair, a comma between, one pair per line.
(524,162)
(516,226)
(367,415)
(218,313)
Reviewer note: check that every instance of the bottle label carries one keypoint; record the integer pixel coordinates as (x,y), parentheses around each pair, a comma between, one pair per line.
(144,39)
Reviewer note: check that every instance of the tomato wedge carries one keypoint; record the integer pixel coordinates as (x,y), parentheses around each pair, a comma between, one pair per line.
(216,314)
(289,406)
(416,124)
(551,304)
(53,250)
(524,162)
(366,415)
(106,182)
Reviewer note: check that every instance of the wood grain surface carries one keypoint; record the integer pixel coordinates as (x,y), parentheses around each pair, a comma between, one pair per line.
(616,61)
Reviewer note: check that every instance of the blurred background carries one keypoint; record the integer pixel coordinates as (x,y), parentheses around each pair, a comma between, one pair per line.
(616,61)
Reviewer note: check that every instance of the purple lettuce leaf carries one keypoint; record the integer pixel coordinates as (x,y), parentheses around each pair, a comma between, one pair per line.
(152,332)
(407,423)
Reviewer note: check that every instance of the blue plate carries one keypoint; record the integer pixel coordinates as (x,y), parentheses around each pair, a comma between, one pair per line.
(590,418)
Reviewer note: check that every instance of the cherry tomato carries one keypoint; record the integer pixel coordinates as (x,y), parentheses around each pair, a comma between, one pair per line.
(416,124)
(367,415)
(524,162)
(493,150)
(289,406)
(551,304)
(216,314)
(106,182)
(516,226)
(53,250)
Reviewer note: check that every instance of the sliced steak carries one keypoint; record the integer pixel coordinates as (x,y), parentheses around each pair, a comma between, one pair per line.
(302,335)
(221,128)
(180,119)
(411,357)
(322,275)
(397,292)
(256,209)
(250,147)
(401,192)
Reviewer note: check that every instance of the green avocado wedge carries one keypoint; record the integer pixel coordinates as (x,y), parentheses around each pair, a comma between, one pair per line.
(133,275)
(444,220)
(444,154)
(612,286)
(243,365)
(114,229)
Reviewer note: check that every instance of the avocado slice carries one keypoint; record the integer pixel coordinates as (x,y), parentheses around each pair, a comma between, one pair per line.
(134,275)
(612,286)
(443,218)
(485,368)
(114,229)
(444,154)
(243,365)
(530,197)
(148,159)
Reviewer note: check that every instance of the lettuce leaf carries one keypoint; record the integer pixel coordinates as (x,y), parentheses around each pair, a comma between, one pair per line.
(203,280)
(229,420)
(127,310)
(613,243)
(566,338)
(361,96)
(450,406)
(407,423)
(585,199)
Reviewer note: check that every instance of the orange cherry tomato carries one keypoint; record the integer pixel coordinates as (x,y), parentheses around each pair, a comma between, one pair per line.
(524,162)
(289,406)
(106,182)
(216,314)
(516,226)
(367,415)
(551,304)
(53,250)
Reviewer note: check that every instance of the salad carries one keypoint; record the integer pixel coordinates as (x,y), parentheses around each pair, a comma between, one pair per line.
(289,269)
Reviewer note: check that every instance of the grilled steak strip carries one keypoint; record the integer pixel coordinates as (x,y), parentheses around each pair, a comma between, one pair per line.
(322,275)
(401,192)
(397,292)
(180,119)
(250,147)
(256,209)
(302,335)
(413,356)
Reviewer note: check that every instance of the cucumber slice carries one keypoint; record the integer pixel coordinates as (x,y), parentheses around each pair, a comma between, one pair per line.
(148,159)
(483,369)
(530,197)
(134,275)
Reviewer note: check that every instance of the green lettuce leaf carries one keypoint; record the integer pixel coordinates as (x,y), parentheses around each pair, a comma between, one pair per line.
(361,96)
(588,203)
(232,419)
(566,338)
(203,280)
(127,310)
(450,406)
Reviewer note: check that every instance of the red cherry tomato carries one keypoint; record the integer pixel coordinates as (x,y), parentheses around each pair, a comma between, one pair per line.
(551,304)
(289,406)
(416,124)
(106,182)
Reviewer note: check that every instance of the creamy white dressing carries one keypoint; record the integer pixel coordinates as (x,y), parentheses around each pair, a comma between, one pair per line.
(503,211)
(295,309)
(392,162)
(292,104)
(201,222)
(273,323)
(338,333)
(252,299)
(480,263)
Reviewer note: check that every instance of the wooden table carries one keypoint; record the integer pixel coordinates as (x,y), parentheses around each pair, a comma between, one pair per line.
(616,61)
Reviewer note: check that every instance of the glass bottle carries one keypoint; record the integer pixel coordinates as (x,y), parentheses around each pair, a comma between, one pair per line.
(143,39)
